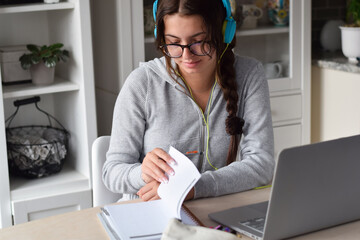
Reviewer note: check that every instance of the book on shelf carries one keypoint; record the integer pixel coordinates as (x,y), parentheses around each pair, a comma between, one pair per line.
(147,220)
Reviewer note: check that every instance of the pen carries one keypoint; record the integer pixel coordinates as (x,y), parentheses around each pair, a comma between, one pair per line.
(261,187)
(217,227)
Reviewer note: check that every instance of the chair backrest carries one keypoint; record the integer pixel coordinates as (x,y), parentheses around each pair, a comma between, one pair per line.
(101,195)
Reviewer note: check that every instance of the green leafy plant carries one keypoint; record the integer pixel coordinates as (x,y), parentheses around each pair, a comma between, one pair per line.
(50,55)
(353,13)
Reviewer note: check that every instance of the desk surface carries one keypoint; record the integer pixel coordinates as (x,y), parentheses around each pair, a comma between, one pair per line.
(84,224)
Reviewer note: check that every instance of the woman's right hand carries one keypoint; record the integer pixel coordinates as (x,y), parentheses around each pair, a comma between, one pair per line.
(155,165)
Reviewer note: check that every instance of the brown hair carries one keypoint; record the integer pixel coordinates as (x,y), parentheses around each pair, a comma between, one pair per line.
(213,14)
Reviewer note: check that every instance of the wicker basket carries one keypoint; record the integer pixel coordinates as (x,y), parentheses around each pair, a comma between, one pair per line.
(35,151)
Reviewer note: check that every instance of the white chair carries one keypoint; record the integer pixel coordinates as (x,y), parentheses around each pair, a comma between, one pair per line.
(101,195)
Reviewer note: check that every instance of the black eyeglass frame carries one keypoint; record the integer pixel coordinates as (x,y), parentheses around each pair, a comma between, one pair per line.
(164,48)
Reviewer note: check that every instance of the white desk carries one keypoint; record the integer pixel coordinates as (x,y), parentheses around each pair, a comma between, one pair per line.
(84,224)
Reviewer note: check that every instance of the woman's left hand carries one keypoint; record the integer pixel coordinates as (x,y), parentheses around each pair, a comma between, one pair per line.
(149,191)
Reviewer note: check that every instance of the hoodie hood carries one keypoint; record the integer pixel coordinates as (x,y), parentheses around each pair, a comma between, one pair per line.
(158,68)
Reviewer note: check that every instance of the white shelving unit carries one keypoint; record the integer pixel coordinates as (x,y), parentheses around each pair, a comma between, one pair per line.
(290,93)
(71,99)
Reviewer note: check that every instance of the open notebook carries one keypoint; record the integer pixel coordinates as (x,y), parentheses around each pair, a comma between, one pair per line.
(147,220)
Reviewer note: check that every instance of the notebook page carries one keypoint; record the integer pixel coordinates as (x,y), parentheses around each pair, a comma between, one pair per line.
(174,192)
(143,220)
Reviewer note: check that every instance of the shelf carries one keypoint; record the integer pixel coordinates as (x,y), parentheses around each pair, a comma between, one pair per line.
(22,8)
(262,30)
(68,180)
(290,122)
(29,89)
(287,92)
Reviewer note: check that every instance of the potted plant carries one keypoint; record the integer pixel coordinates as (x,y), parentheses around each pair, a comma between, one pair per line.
(350,33)
(42,61)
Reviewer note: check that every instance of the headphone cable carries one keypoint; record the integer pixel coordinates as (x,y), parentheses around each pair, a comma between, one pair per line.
(206,121)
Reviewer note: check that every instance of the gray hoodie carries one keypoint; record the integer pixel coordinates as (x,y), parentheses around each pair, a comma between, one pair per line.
(153,111)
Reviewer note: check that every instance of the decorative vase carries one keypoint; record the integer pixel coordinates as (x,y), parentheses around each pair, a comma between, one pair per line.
(330,35)
(278,11)
(42,75)
(350,42)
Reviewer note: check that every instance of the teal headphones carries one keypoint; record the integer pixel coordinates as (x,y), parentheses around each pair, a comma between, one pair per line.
(229,25)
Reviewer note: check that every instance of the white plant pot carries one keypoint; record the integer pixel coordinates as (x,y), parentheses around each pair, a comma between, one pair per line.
(350,42)
(42,75)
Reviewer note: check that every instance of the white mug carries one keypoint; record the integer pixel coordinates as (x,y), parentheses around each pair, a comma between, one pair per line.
(273,70)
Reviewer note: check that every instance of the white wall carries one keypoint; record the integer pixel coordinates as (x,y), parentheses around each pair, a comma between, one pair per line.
(116,52)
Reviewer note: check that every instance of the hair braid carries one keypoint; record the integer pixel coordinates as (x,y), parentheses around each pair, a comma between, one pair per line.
(228,85)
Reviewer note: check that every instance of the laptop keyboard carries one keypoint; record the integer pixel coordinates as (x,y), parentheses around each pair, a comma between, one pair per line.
(255,223)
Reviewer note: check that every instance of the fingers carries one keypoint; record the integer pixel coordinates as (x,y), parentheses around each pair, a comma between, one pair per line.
(156,197)
(149,196)
(148,187)
(146,178)
(152,170)
(164,156)
(149,191)
(156,164)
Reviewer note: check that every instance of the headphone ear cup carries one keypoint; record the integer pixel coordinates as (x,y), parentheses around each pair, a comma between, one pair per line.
(229,29)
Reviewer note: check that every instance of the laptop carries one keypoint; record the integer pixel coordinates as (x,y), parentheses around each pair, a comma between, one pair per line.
(315,186)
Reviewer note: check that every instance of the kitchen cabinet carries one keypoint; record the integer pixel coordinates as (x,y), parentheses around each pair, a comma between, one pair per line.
(335,103)
(71,100)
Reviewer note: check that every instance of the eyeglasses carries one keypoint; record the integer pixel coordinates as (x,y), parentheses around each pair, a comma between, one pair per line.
(197,48)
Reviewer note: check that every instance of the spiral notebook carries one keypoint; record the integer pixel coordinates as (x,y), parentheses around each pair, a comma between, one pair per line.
(147,220)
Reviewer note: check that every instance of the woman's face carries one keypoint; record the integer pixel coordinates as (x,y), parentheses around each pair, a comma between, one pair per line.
(185,30)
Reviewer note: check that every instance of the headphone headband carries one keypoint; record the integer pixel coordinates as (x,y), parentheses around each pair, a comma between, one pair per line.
(227,7)
(155,9)
(229,25)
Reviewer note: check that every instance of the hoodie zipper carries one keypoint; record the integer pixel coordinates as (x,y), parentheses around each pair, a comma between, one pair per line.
(202,146)
(202,131)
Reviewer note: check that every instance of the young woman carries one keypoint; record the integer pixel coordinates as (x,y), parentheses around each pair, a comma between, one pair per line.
(199,98)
